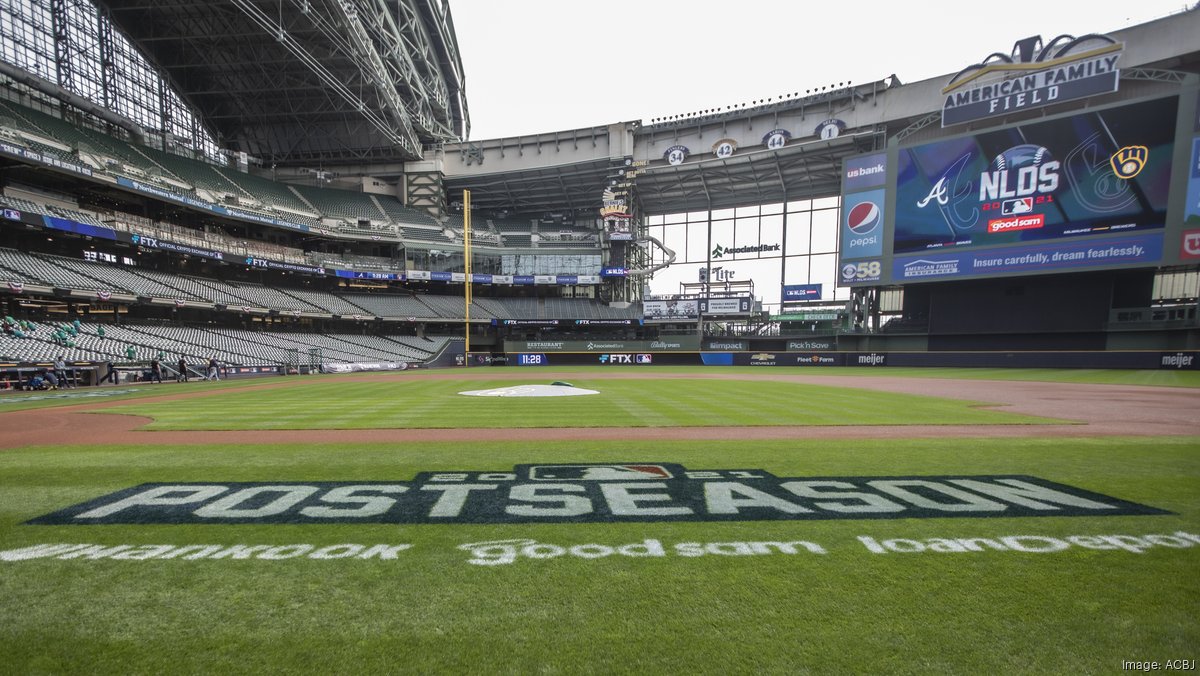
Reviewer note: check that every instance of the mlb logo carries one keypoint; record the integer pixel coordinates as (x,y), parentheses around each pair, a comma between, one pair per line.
(12,214)
(644,359)
(598,473)
(1023,205)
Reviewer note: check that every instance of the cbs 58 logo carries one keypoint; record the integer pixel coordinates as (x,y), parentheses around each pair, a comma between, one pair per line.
(866,271)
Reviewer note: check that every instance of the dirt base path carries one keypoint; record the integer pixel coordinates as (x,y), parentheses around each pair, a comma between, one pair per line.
(1092,410)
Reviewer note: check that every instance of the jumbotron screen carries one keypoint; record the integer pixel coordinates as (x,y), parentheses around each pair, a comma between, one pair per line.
(1104,172)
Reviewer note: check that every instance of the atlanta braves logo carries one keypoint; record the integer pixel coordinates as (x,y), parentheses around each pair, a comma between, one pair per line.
(954,196)
(938,192)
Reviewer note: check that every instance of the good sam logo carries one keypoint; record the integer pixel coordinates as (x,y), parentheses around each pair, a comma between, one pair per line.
(590,493)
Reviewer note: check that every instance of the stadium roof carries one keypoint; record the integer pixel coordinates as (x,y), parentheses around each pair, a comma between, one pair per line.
(296,82)
(801,171)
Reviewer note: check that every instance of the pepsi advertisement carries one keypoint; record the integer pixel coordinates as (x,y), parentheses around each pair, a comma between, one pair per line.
(862,224)
(1104,172)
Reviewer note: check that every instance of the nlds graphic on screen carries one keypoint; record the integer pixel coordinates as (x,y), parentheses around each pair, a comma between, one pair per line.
(1082,175)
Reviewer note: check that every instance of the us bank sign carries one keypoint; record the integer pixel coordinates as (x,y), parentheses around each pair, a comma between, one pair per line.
(1035,75)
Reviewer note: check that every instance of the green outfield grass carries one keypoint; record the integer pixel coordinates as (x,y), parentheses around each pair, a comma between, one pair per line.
(414,402)
(1155,378)
(428,611)
(18,401)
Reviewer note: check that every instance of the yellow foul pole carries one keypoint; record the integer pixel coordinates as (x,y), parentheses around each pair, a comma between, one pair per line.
(467,268)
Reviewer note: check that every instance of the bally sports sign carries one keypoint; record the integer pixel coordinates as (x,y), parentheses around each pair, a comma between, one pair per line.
(585,493)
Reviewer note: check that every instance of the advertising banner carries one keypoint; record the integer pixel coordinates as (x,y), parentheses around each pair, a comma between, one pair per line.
(862,224)
(280,265)
(666,344)
(864,172)
(725,306)
(527,322)
(685,309)
(78,228)
(800,292)
(169,196)
(608,322)
(366,274)
(155,243)
(1108,252)
(355,367)
(812,345)
(726,345)
(788,359)
(1068,82)
(44,158)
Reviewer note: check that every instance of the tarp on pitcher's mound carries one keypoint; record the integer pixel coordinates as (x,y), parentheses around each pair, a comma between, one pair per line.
(531,391)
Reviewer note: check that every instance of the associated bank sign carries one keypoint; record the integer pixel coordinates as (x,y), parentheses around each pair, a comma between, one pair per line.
(672,344)
(590,493)
(1036,75)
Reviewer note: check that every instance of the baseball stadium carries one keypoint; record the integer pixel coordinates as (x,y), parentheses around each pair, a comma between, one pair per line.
(297,376)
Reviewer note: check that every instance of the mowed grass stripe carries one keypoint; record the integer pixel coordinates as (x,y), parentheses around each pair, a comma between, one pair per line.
(1161,378)
(340,404)
(850,611)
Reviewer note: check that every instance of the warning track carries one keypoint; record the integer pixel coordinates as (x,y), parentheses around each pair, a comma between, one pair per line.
(1092,410)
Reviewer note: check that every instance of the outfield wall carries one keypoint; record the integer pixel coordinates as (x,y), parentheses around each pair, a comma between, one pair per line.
(1183,360)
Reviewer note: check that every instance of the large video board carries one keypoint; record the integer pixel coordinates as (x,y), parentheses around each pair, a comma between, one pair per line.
(1095,173)
(1092,190)
(1189,245)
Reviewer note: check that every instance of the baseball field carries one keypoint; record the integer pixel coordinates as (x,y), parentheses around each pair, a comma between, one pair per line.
(678,520)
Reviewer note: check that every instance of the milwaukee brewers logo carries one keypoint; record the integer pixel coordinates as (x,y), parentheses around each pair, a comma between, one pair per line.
(1129,161)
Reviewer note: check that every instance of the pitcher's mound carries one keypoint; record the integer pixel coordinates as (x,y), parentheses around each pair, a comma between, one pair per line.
(531,391)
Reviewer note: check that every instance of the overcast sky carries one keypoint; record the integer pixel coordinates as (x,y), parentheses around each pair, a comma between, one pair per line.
(548,65)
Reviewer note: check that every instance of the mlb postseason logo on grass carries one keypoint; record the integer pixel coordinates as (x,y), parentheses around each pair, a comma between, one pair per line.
(589,493)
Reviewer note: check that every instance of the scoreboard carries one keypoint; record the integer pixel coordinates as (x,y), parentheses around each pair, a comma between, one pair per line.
(1107,188)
